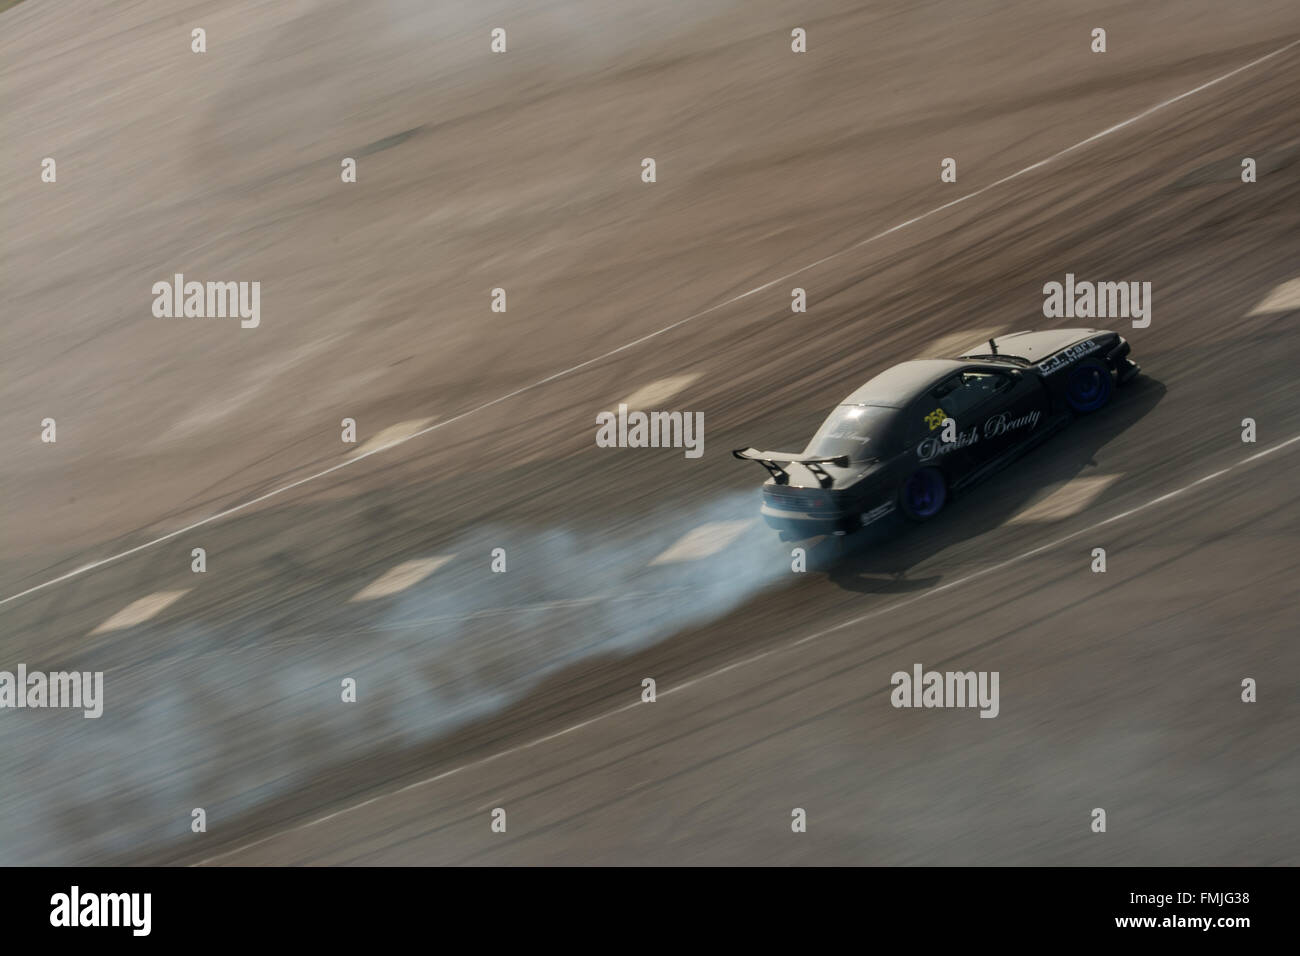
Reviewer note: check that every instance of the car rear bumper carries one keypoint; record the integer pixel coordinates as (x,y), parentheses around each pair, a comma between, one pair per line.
(802,524)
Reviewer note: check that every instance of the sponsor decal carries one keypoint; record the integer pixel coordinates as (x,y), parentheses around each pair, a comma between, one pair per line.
(935,418)
(994,427)
(1068,356)
(875,514)
(1003,423)
(933,447)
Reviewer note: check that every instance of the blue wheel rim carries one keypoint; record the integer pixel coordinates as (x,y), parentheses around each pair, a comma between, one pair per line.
(925,493)
(1089,388)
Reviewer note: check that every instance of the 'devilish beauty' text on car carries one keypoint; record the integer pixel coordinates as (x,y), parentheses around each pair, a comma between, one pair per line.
(923,429)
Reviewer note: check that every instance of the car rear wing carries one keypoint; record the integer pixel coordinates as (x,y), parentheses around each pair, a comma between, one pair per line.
(772,461)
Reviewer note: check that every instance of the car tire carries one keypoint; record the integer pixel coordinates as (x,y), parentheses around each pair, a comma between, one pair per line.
(1088,386)
(923,494)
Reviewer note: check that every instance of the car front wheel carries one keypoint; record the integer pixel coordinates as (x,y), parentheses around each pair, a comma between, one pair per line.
(1088,386)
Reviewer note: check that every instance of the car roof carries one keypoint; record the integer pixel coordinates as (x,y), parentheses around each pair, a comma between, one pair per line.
(1033,346)
(897,386)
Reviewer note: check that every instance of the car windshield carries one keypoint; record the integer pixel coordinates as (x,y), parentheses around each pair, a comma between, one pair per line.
(854,430)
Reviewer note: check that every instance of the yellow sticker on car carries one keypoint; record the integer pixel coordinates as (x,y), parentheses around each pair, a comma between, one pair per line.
(935,418)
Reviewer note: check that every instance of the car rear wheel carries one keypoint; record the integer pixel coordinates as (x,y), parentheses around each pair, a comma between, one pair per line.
(1089,386)
(924,494)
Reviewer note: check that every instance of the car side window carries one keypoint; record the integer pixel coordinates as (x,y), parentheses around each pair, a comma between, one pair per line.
(959,395)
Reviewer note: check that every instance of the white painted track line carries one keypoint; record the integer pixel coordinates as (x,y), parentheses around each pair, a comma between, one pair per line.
(649,396)
(1135,118)
(400,577)
(137,612)
(755,658)
(704,541)
(1066,499)
(392,435)
(1284,298)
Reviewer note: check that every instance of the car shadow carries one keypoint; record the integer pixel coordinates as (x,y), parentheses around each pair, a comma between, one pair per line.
(877,559)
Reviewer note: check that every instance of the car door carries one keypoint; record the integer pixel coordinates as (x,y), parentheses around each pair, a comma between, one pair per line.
(972,398)
(956,453)
(1014,409)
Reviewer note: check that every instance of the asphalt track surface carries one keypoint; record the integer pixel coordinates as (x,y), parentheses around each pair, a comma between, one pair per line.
(522,690)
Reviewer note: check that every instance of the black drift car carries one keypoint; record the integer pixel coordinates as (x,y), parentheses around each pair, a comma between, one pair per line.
(922,429)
